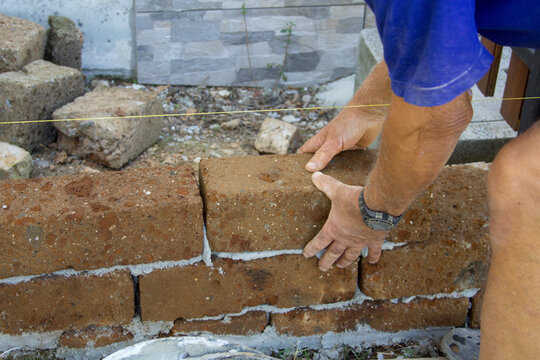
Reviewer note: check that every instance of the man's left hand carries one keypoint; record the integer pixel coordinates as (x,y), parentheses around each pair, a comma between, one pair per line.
(344,234)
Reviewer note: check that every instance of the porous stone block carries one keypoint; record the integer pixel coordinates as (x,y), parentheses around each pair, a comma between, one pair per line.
(99,220)
(94,337)
(57,302)
(248,324)
(269,202)
(476,309)
(455,256)
(195,291)
(15,163)
(21,42)
(33,94)
(64,42)
(277,137)
(113,142)
(380,315)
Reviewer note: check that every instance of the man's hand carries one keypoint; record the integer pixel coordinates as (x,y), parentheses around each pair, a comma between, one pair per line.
(351,129)
(344,234)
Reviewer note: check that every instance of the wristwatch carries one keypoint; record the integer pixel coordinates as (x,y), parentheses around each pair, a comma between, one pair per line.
(377,220)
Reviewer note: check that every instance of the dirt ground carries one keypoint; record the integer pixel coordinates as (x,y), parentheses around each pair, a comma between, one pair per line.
(188,139)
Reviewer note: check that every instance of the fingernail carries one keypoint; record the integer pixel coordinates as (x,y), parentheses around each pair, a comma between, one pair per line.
(372,262)
(340,266)
(311,166)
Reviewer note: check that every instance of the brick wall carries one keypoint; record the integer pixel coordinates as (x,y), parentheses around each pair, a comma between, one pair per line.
(104,260)
(204,42)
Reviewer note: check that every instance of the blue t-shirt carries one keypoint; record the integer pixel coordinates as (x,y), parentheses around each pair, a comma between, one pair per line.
(432,47)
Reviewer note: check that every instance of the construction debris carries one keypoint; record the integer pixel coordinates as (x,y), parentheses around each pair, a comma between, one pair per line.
(64,42)
(277,137)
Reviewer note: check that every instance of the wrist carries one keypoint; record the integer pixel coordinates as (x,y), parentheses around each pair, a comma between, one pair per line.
(377,220)
(376,202)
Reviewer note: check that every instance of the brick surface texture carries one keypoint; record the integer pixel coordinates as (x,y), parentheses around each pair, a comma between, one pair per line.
(456,254)
(380,315)
(21,42)
(99,220)
(94,336)
(57,302)
(476,309)
(248,324)
(229,286)
(269,202)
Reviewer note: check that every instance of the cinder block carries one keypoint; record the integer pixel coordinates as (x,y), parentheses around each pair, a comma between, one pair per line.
(93,336)
(56,302)
(380,315)
(21,42)
(113,142)
(33,94)
(248,324)
(455,256)
(269,202)
(99,220)
(195,291)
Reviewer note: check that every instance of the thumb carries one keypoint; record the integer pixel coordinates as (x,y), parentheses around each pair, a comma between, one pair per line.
(325,183)
(323,155)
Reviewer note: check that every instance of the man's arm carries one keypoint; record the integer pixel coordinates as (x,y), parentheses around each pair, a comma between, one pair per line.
(353,128)
(416,143)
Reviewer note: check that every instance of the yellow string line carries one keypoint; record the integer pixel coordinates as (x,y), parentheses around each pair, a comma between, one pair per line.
(230,112)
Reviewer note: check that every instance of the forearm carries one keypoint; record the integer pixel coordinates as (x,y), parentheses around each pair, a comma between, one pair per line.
(416,143)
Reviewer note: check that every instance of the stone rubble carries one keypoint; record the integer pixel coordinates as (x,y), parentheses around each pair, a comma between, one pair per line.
(15,163)
(277,137)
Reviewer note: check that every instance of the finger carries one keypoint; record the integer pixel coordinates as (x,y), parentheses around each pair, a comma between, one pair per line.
(348,257)
(325,183)
(323,155)
(313,144)
(331,255)
(374,253)
(319,242)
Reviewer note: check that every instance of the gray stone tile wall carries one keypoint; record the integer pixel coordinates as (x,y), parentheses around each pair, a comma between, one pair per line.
(193,42)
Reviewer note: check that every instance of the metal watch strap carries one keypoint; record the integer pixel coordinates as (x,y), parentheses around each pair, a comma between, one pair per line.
(377,220)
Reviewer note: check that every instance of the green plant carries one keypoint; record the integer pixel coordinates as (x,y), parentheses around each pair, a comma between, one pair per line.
(280,68)
(246,34)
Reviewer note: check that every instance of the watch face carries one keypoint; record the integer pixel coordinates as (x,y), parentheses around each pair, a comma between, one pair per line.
(380,225)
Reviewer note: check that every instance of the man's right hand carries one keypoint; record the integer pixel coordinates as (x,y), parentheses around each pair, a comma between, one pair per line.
(352,128)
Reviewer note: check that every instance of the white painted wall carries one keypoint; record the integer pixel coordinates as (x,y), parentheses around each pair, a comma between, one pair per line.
(108,27)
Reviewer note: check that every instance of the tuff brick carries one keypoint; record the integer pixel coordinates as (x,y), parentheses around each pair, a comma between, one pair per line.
(476,309)
(248,324)
(456,255)
(269,203)
(380,315)
(99,220)
(57,302)
(195,291)
(94,336)
(21,42)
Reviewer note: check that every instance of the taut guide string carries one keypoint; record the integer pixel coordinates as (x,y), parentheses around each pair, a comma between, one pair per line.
(231,112)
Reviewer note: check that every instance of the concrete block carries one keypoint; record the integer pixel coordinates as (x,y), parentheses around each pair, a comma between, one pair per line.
(64,43)
(21,42)
(15,163)
(112,142)
(253,322)
(456,255)
(33,94)
(196,291)
(370,53)
(277,137)
(59,303)
(99,220)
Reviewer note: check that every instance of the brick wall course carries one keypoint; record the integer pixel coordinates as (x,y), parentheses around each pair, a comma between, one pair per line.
(456,255)
(56,302)
(196,291)
(476,309)
(100,220)
(380,315)
(253,322)
(94,336)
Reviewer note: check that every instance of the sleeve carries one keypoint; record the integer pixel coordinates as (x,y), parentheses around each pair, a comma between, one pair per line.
(431,48)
